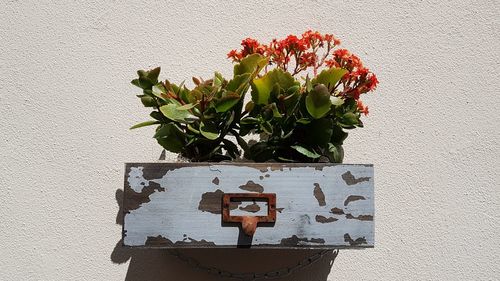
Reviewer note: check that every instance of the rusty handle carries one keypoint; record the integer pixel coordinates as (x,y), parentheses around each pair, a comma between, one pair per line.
(249,223)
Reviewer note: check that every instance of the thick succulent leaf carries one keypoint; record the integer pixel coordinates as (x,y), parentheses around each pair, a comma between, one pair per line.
(273,80)
(337,101)
(329,77)
(209,131)
(239,83)
(304,151)
(148,101)
(218,79)
(252,64)
(187,106)
(153,74)
(144,124)
(171,112)
(158,90)
(170,137)
(350,118)
(336,153)
(227,102)
(318,101)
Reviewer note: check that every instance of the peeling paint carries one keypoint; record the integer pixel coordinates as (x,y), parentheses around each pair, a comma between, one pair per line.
(133,200)
(215,181)
(349,178)
(160,241)
(212,202)
(295,241)
(279,209)
(337,211)
(358,241)
(323,219)
(251,186)
(352,198)
(360,217)
(319,195)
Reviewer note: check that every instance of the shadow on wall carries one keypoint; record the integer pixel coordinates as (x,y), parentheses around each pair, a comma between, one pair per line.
(157,264)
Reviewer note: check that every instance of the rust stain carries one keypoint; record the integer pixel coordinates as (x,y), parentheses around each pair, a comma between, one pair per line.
(358,241)
(251,186)
(279,209)
(216,181)
(253,208)
(351,180)
(318,193)
(360,217)
(133,200)
(160,241)
(337,211)
(323,219)
(212,202)
(353,198)
(295,241)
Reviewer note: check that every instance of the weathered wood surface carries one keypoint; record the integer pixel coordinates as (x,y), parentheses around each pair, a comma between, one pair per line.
(179,205)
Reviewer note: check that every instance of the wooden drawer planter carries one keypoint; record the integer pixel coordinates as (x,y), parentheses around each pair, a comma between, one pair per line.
(177,205)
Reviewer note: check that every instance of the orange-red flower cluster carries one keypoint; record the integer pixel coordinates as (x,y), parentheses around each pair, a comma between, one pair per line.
(359,79)
(304,51)
(314,50)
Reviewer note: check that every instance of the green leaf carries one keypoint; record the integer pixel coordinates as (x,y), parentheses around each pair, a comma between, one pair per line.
(305,151)
(218,79)
(266,127)
(144,124)
(148,101)
(270,83)
(209,130)
(226,102)
(337,101)
(318,101)
(135,82)
(171,137)
(153,74)
(252,64)
(304,121)
(350,118)
(336,154)
(186,106)
(238,83)
(249,120)
(157,90)
(329,77)
(171,112)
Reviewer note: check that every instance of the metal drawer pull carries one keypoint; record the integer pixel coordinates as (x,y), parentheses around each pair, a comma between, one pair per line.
(249,223)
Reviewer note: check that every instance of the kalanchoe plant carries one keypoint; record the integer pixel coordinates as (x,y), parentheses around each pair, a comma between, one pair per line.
(304,120)
(194,123)
(298,119)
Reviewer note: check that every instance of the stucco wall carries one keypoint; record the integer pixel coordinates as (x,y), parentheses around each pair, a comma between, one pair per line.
(66,105)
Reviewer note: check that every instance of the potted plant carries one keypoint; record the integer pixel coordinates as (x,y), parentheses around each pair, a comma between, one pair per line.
(305,96)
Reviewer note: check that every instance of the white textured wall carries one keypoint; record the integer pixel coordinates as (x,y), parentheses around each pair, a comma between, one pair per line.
(66,105)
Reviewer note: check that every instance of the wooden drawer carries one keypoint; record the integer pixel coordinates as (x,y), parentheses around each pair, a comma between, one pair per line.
(178,205)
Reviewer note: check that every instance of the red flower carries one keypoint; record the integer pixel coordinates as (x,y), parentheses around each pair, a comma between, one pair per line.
(362,108)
